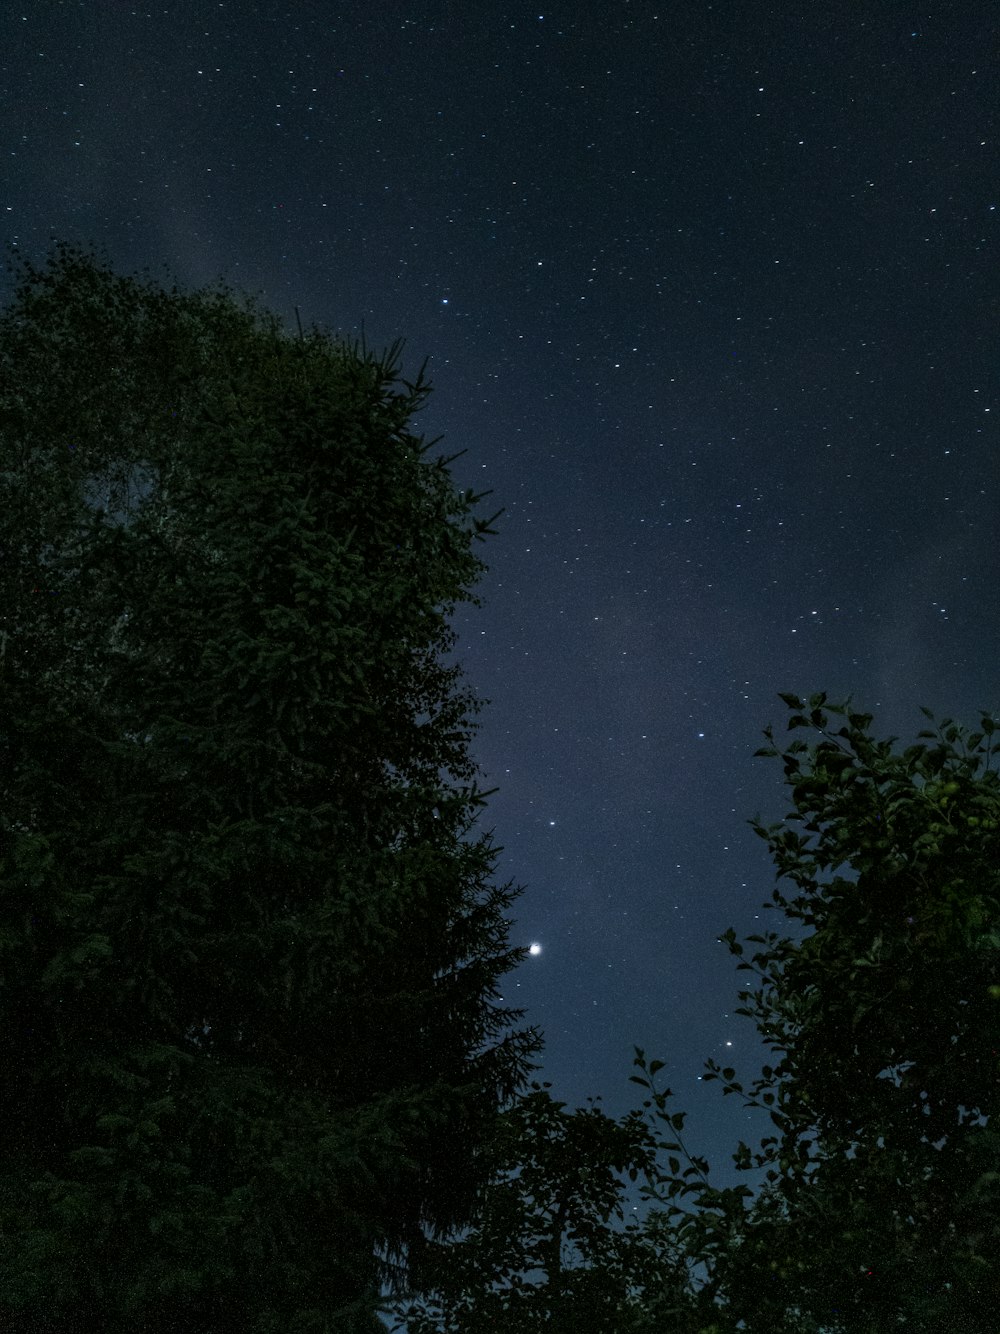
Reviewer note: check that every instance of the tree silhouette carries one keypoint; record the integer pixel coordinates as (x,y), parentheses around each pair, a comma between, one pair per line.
(249,950)
(546,1252)
(882,1209)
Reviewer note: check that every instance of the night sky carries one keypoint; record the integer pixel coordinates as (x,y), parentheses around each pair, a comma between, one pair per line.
(710,297)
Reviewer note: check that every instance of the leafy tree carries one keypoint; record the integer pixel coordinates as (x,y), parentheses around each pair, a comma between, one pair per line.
(248,953)
(882,1209)
(545,1253)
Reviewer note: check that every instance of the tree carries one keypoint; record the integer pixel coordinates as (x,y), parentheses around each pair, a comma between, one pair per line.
(882,1209)
(545,1253)
(249,953)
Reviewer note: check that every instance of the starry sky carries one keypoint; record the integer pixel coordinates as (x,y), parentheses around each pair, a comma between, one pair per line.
(710,297)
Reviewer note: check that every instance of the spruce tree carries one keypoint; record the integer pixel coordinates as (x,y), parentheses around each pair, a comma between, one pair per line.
(249,946)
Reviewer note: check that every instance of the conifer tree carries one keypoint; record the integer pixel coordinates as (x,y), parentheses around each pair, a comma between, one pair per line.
(249,947)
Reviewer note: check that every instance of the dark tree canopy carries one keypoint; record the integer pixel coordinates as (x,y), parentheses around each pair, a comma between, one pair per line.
(882,1209)
(249,954)
(547,1253)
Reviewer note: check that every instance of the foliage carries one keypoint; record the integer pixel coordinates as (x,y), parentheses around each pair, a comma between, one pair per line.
(248,951)
(881,1209)
(544,1254)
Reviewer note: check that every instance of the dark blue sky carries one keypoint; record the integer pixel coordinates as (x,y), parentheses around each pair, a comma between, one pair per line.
(710,297)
